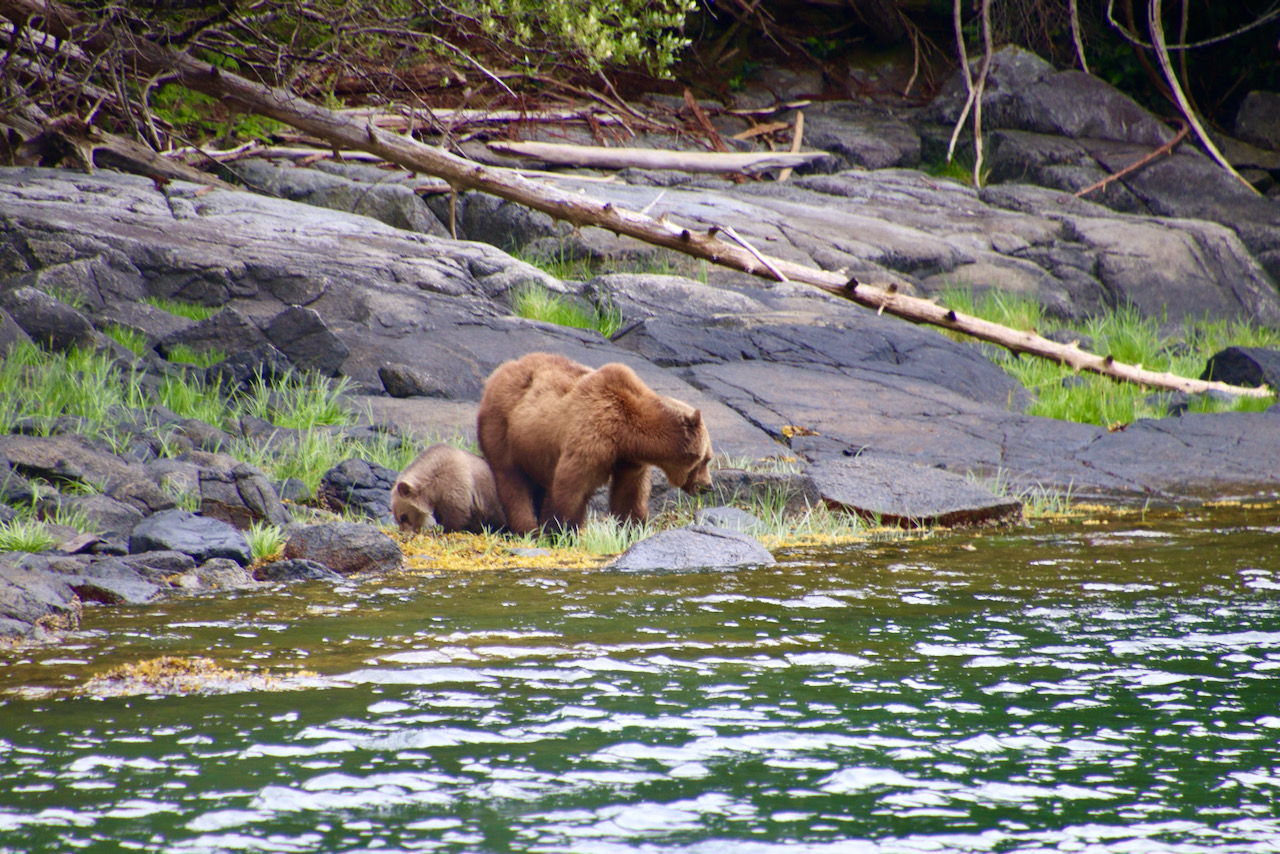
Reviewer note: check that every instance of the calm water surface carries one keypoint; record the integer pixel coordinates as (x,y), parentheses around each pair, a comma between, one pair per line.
(1100,688)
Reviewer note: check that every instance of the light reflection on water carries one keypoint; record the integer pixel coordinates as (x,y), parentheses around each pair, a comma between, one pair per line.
(1111,689)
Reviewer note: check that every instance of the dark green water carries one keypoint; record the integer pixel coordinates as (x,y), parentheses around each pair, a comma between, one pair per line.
(1098,688)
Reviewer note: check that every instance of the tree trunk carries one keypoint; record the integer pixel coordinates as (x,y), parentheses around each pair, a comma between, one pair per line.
(147,59)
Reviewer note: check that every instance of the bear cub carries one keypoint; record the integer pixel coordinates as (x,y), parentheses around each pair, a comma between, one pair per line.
(449,487)
(555,431)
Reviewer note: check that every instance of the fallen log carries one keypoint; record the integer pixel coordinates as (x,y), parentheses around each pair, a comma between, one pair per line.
(147,58)
(593,157)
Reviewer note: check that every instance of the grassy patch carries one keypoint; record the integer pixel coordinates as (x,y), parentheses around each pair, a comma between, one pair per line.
(26,534)
(184,355)
(1126,336)
(189,310)
(535,302)
(299,403)
(130,339)
(266,542)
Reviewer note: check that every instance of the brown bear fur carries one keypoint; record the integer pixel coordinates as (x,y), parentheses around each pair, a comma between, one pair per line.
(449,487)
(554,431)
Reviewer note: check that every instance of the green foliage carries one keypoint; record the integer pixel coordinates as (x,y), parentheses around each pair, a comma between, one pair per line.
(189,310)
(130,339)
(26,534)
(1126,336)
(590,32)
(266,542)
(42,386)
(298,402)
(185,355)
(535,302)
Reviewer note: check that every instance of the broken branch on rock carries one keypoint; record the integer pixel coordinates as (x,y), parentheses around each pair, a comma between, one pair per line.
(148,58)
(592,157)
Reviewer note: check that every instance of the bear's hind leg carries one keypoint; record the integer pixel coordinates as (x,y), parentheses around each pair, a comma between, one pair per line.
(629,492)
(565,508)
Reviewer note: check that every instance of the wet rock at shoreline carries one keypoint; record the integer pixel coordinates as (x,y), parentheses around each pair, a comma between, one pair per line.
(694,547)
(200,537)
(345,547)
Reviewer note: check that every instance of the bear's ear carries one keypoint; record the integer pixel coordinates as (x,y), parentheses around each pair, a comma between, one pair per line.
(404,489)
(695,419)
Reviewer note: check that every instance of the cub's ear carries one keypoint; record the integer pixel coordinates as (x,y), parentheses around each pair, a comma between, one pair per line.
(404,489)
(696,418)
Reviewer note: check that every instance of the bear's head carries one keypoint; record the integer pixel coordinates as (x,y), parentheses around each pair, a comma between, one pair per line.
(689,467)
(408,508)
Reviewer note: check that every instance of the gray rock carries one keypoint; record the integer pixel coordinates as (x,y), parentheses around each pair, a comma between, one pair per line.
(155,323)
(48,321)
(142,493)
(66,458)
(220,573)
(198,536)
(1258,120)
(228,331)
(205,436)
(11,334)
(31,600)
(693,547)
(401,380)
(106,516)
(346,548)
(360,486)
(242,369)
(1245,366)
(109,581)
(859,136)
(730,518)
(302,336)
(297,569)
(241,497)
(161,566)
(896,492)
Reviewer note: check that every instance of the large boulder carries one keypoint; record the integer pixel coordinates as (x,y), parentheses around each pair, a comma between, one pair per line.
(895,492)
(198,536)
(48,321)
(347,548)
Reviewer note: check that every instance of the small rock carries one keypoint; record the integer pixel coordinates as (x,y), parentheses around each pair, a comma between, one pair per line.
(221,573)
(694,547)
(199,536)
(109,581)
(32,599)
(729,518)
(241,497)
(361,486)
(1245,366)
(297,569)
(345,547)
(407,381)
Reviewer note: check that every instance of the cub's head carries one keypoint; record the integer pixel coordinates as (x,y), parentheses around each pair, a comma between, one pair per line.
(409,509)
(689,467)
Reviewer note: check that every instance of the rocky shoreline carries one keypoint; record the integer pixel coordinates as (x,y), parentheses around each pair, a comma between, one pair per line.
(894,416)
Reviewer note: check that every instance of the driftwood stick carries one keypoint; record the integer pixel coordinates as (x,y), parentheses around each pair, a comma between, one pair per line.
(733,235)
(1167,148)
(149,58)
(594,157)
(795,144)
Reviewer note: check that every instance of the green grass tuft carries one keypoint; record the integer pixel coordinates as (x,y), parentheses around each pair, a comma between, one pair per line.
(130,339)
(189,310)
(25,534)
(1126,336)
(185,355)
(535,302)
(266,541)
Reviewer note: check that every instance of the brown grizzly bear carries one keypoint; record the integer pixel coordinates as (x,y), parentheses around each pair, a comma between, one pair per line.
(554,431)
(449,487)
